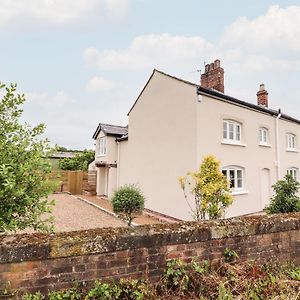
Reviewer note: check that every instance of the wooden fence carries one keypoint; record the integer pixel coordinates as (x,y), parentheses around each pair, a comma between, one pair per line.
(74,182)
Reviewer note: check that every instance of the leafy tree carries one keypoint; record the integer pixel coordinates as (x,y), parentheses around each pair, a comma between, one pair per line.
(128,202)
(208,188)
(80,162)
(286,198)
(23,169)
(60,148)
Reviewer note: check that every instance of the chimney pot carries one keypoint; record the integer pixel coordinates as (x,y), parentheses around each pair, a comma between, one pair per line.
(262,87)
(217,63)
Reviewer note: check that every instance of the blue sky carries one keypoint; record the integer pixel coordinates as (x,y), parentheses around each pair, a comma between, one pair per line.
(81,62)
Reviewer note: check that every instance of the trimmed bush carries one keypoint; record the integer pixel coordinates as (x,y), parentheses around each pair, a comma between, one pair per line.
(286,198)
(128,202)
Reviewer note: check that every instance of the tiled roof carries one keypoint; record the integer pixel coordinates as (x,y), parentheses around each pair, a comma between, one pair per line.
(110,129)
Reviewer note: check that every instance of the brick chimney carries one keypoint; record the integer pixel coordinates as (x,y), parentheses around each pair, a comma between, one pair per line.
(213,77)
(262,96)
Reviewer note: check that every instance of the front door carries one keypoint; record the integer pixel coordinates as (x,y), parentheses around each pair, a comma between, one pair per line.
(265,187)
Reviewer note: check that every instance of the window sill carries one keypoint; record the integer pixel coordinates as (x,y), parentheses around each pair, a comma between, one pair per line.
(265,145)
(233,144)
(101,155)
(292,150)
(236,193)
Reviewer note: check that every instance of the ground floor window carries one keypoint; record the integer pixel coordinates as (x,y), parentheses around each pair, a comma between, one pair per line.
(235,176)
(293,172)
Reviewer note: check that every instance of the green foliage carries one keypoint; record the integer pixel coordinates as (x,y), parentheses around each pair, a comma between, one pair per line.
(128,202)
(60,148)
(23,168)
(71,294)
(80,162)
(209,189)
(176,275)
(286,197)
(36,296)
(295,273)
(230,255)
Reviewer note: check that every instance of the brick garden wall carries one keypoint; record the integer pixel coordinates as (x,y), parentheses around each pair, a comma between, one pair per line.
(32,262)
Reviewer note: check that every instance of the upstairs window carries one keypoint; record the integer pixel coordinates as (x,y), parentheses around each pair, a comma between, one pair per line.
(235,176)
(293,172)
(232,131)
(102,146)
(263,136)
(291,141)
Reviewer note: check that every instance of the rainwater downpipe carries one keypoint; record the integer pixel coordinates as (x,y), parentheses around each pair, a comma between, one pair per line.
(278,144)
(118,163)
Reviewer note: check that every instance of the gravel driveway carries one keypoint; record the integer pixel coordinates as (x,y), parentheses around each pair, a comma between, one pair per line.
(73,214)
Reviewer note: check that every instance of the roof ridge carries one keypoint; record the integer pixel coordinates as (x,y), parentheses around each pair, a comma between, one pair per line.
(177,78)
(113,125)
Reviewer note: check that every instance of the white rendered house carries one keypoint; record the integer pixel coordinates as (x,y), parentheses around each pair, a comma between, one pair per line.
(174,123)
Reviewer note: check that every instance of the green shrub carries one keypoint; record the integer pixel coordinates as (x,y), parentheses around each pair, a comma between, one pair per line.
(286,198)
(24,184)
(80,162)
(128,202)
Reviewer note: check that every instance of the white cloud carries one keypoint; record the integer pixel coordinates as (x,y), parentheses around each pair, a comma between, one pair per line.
(267,42)
(99,84)
(279,28)
(57,11)
(46,101)
(150,51)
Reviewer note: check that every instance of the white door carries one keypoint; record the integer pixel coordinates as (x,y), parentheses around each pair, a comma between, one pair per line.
(265,187)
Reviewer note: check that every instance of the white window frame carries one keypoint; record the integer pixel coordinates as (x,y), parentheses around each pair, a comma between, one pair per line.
(293,171)
(232,132)
(263,136)
(291,142)
(236,177)
(102,146)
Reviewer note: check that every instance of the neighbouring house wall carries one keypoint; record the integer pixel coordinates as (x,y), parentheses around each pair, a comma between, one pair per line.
(249,155)
(287,158)
(106,176)
(161,144)
(111,149)
(32,262)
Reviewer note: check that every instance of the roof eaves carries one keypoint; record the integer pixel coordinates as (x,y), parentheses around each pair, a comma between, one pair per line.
(122,138)
(226,98)
(97,131)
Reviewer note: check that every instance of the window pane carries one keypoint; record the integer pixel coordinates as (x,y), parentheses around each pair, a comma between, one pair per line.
(225,130)
(239,183)
(265,136)
(231,135)
(232,178)
(293,142)
(238,132)
(239,176)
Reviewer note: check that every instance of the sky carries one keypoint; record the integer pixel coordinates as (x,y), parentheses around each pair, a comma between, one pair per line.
(81,62)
